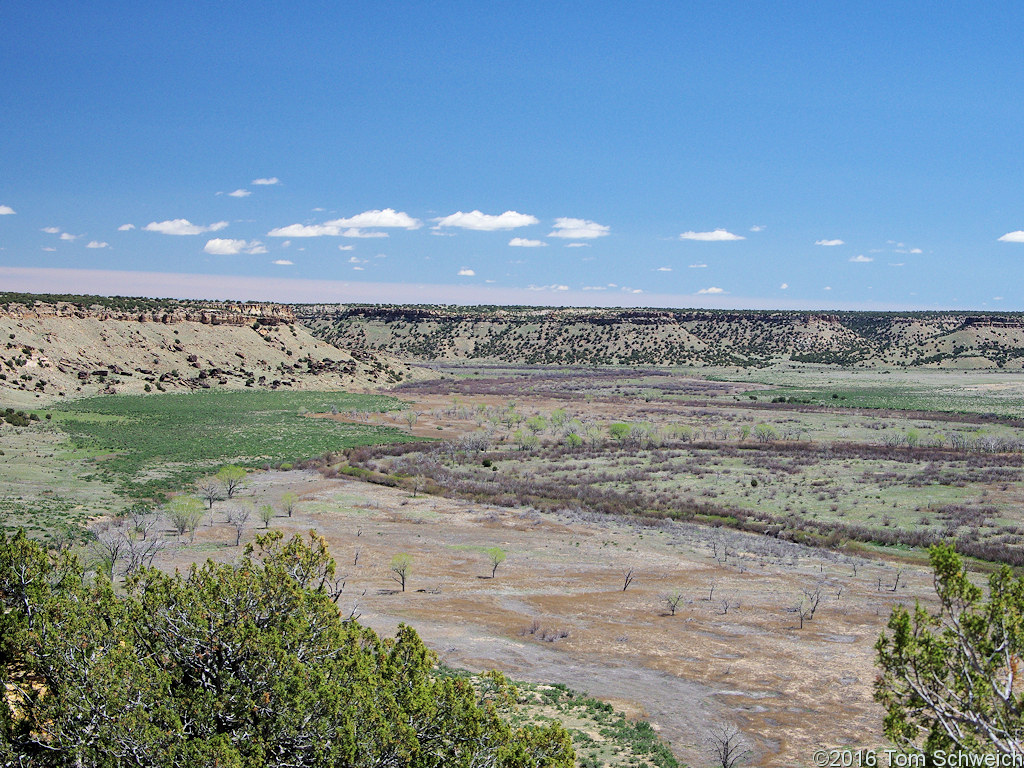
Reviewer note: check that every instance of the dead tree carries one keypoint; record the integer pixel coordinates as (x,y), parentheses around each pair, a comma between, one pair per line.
(627,579)
(672,601)
(727,746)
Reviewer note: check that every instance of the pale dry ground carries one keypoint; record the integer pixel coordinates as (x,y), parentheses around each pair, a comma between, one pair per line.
(790,690)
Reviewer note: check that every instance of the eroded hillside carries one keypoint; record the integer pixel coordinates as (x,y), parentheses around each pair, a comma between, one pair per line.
(89,345)
(674,337)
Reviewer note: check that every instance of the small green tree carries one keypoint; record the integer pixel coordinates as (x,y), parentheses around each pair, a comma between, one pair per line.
(266,513)
(400,565)
(185,512)
(619,430)
(495,556)
(288,501)
(232,477)
(950,680)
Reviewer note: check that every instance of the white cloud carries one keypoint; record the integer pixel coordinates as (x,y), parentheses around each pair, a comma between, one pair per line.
(49,249)
(829,243)
(381,256)
(97,244)
(357,232)
(595,288)
(895,263)
(861,259)
(265,182)
(578,229)
(388,217)
(1013,237)
(485,222)
(827,288)
(784,286)
(346,247)
(227,247)
(51,230)
(757,228)
(126,228)
(182,227)
(698,266)
(359,269)
(577,245)
(916,250)
(282,262)
(712,289)
(464,272)
(68,236)
(305,230)
(522,242)
(718,235)
(6,210)
(356,260)
(240,193)
(997,298)
(552,287)
(663,269)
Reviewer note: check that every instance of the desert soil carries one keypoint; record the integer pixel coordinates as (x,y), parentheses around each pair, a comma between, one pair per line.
(556,610)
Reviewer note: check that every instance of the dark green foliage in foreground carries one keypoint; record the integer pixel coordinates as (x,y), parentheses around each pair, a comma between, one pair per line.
(159,443)
(231,665)
(950,680)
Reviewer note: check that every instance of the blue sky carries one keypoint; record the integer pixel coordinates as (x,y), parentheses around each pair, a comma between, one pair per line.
(735,154)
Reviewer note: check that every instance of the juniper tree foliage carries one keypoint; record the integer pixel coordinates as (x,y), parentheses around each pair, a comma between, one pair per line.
(952,680)
(231,665)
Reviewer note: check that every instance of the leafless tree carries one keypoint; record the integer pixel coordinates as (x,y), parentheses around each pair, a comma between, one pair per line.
(238,517)
(627,579)
(209,491)
(672,601)
(727,746)
(141,553)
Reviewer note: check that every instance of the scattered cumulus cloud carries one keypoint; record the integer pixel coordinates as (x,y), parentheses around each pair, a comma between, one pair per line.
(356,260)
(827,288)
(6,210)
(522,242)
(829,243)
(578,229)
(712,289)
(97,244)
(485,222)
(757,228)
(182,227)
(345,247)
(362,233)
(240,193)
(226,247)
(784,287)
(265,182)
(68,236)
(464,272)
(282,262)
(305,230)
(388,217)
(663,269)
(577,245)
(715,236)
(698,266)
(49,249)
(861,259)
(553,287)
(126,228)
(997,298)
(51,230)
(1013,237)
(896,263)
(594,288)
(916,250)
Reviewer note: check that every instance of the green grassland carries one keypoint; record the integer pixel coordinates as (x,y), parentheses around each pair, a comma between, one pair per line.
(148,445)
